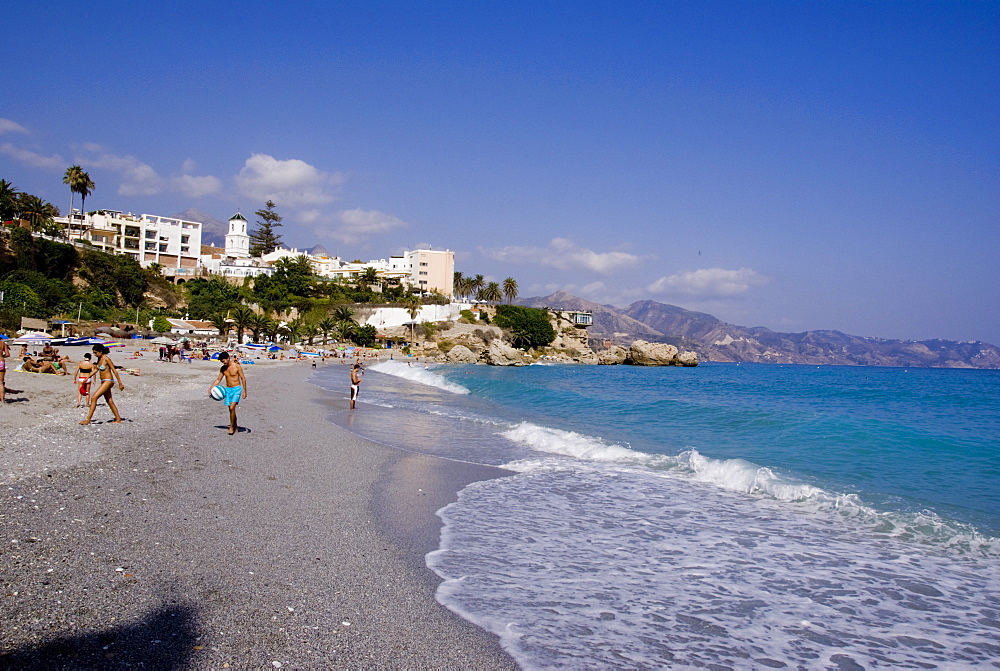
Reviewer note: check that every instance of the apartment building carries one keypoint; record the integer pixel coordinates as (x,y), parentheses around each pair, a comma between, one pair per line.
(428,269)
(173,243)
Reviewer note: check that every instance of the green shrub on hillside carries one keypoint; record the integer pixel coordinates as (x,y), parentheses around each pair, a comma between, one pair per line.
(529,327)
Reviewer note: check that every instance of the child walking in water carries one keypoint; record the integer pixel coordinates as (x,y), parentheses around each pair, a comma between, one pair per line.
(107,374)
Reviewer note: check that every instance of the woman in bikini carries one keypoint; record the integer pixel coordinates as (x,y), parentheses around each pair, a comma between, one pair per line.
(83,378)
(4,353)
(107,374)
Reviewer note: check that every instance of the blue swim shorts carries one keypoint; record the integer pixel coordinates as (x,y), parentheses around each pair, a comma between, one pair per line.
(233,394)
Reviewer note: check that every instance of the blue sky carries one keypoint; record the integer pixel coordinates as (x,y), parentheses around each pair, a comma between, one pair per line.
(794,165)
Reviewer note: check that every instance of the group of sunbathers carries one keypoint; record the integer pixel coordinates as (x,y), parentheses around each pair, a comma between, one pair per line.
(48,361)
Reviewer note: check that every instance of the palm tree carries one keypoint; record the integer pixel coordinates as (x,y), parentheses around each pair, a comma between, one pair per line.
(456,283)
(510,289)
(476,284)
(309,331)
(257,325)
(220,322)
(37,212)
(368,277)
(345,329)
(343,313)
(242,318)
(412,305)
(271,329)
(491,293)
(84,188)
(326,326)
(9,196)
(292,330)
(79,183)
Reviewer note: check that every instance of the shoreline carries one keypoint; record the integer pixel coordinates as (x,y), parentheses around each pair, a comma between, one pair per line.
(294,543)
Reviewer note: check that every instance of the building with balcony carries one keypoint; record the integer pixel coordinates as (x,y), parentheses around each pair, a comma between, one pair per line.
(148,238)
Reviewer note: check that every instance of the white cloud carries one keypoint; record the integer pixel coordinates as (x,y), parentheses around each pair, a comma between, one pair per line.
(593,289)
(709,283)
(564,254)
(8,126)
(138,178)
(33,159)
(290,183)
(357,224)
(197,187)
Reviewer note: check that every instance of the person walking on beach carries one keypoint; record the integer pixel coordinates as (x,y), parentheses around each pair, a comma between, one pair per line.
(106,374)
(236,387)
(4,353)
(355,382)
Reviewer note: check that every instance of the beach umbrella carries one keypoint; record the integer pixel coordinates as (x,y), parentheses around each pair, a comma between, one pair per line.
(163,340)
(273,348)
(33,338)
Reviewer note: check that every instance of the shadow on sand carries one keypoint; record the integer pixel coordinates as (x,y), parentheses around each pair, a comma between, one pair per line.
(242,429)
(164,639)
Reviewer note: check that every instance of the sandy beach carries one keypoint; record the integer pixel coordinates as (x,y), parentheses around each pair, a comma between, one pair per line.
(163,542)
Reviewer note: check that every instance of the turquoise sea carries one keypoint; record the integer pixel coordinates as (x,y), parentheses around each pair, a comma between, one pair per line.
(729,515)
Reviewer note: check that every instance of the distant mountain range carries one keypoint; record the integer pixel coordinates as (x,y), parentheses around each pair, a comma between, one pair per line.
(715,340)
(213,231)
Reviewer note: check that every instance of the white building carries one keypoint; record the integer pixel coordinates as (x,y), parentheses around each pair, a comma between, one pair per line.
(428,269)
(423,269)
(235,260)
(173,243)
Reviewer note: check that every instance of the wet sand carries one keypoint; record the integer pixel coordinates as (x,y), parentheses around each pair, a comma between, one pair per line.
(163,542)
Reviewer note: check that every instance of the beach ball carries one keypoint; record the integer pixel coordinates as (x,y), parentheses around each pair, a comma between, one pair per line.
(218,392)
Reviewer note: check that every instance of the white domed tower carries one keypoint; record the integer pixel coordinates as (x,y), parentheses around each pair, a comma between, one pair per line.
(237,239)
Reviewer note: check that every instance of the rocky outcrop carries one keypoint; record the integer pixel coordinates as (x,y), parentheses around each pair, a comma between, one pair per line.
(461,354)
(642,353)
(502,354)
(613,356)
(687,359)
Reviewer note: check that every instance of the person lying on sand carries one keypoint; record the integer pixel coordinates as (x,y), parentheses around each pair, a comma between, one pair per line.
(29,365)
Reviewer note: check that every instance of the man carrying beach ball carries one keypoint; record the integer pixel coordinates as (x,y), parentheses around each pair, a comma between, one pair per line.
(234,391)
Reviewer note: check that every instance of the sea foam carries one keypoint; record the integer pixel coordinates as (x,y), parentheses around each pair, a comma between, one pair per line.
(745,477)
(418,375)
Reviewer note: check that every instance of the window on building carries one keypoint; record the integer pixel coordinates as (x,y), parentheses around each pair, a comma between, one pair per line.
(163,248)
(185,250)
(150,234)
(423,272)
(185,239)
(423,263)
(151,246)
